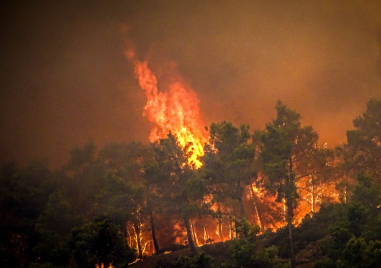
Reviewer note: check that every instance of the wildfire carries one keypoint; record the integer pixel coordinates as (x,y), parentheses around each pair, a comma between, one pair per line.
(174,108)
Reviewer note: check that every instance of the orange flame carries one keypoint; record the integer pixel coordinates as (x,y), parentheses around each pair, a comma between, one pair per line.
(175,109)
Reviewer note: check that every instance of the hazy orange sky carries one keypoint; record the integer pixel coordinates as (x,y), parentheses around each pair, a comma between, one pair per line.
(64,78)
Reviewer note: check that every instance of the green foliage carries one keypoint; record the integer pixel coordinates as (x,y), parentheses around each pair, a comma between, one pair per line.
(201,260)
(344,229)
(85,180)
(353,253)
(332,247)
(285,156)
(364,141)
(357,253)
(353,236)
(178,188)
(42,212)
(372,254)
(325,263)
(56,220)
(246,230)
(174,178)
(54,226)
(99,242)
(24,192)
(315,225)
(313,228)
(122,199)
(368,194)
(247,252)
(357,218)
(229,164)
(80,157)
(285,150)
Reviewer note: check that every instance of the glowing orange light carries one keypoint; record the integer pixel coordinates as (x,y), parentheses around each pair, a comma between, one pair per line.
(174,109)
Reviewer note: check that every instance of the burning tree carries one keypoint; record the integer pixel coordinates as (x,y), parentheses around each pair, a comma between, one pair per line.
(180,190)
(125,195)
(228,166)
(286,154)
(319,183)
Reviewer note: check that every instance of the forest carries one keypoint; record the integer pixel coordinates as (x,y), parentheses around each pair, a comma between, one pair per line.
(274,197)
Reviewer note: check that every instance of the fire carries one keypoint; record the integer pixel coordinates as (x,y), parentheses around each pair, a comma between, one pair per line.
(174,108)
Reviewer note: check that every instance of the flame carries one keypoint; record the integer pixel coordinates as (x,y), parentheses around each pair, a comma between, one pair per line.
(174,108)
(103,266)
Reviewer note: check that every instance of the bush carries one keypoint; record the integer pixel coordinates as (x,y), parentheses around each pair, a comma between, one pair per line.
(248,253)
(100,242)
(201,260)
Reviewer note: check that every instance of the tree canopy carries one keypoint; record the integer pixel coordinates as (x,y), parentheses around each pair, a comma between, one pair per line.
(127,201)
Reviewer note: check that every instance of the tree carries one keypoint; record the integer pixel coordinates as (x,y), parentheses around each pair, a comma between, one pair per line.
(344,173)
(355,231)
(368,195)
(286,150)
(99,242)
(174,181)
(54,226)
(85,174)
(127,206)
(24,192)
(247,251)
(320,184)
(228,162)
(365,140)
(111,182)
(128,190)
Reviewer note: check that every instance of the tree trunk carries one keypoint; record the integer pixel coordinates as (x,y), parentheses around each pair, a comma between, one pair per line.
(189,235)
(220,229)
(219,222)
(289,225)
(156,245)
(206,236)
(128,237)
(138,239)
(232,233)
(290,209)
(255,200)
(345,194)
(193,228)
(313,196)
(241,207)
(239,198)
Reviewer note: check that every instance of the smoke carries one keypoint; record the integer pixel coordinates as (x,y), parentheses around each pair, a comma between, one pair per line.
(64,78)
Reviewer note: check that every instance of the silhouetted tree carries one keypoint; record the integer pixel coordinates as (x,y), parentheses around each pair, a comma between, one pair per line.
(285,151)
(24,192)
(174,179)
(228,162)
(99,242)
(365,140)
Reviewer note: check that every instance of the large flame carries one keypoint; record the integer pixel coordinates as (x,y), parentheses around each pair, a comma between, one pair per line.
(173,108)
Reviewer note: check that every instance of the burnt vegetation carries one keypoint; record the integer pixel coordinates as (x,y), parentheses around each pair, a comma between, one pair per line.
(271,198)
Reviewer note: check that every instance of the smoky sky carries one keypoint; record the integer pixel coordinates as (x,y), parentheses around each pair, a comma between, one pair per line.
(64,78)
